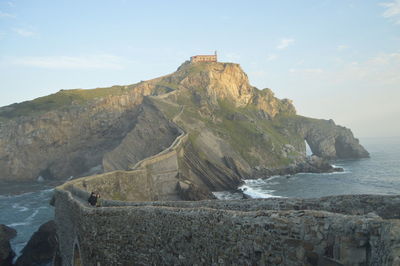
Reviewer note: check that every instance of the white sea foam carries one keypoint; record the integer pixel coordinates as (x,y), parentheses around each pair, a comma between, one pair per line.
(20,195)
(273,177)
(30,218)
(18,224)
(19,207)
(47,190)
(23,209)
(337,173)
(257,193)
(254,188)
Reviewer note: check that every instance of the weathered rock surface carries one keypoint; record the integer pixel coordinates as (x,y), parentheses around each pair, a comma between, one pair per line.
(151,133)
(41,247)
(326,139)
(233,130)
(6,253)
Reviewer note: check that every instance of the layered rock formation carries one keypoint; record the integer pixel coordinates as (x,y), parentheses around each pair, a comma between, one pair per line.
(234,130)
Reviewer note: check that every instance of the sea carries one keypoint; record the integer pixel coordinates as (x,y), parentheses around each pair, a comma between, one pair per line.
(26,207)
(379,174)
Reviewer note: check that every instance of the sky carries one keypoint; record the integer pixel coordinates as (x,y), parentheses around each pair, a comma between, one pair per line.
(336,59)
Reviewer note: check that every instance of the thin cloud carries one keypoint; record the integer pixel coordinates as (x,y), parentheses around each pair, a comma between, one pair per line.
(24,32)
(103,61)
(6,15)
(271,57)
(392,11)
(284,43)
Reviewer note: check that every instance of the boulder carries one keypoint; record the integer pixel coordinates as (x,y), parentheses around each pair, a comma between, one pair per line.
(41,247)
(6,253)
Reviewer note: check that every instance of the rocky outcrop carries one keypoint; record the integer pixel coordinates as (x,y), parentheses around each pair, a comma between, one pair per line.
(326,139)
(189,191)
(41,247)
(6,253)
(312,164)
(151,133)
(60,144)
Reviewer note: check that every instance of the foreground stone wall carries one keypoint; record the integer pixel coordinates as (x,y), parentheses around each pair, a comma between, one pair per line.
(243,232)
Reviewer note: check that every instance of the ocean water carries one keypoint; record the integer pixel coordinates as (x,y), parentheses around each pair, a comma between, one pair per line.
(379,174)
(25,213)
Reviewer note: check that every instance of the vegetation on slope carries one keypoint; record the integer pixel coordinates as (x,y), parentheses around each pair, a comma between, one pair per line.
(63,98)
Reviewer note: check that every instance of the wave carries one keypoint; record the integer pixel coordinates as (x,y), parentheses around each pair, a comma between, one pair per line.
(46,190)
(19,207)
(251,188)
(18,224)
(16,196)
(30,218)
(332,173)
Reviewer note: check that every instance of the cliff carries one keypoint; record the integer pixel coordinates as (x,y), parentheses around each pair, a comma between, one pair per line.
(234,130)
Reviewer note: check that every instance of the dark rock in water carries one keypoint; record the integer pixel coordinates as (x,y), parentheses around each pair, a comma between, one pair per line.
(6,253)
(7,232)
(41,247)
(189,191)
(312,164)
(338,169)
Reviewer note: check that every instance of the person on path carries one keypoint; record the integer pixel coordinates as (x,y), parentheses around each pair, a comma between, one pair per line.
(92,199)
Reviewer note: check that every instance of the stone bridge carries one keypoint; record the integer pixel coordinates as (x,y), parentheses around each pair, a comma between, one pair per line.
(338,230)
(142,222)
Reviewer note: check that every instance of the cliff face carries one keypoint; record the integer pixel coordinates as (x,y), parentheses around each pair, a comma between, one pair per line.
(151,133)
(64,143)
(234,129)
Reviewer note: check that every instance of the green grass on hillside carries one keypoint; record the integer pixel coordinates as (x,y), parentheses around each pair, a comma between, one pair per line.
(58,100)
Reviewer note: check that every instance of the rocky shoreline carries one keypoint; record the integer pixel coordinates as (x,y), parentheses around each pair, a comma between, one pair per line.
(312,164)
(38,251)
(6,253)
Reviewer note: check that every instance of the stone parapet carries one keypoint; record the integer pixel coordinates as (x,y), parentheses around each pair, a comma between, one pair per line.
(247,232)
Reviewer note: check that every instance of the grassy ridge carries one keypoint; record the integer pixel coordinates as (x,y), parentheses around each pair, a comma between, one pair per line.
(58,100)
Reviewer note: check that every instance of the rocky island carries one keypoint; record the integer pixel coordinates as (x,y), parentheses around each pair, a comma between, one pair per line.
(158,149)
(234,130)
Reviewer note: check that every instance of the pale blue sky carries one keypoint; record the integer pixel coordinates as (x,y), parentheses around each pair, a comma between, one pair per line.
(335,59)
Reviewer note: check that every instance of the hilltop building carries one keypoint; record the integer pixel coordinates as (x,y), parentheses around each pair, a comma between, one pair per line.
(204,58)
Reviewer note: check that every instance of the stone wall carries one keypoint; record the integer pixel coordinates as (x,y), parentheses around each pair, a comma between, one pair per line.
(247,232)
(154,178)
